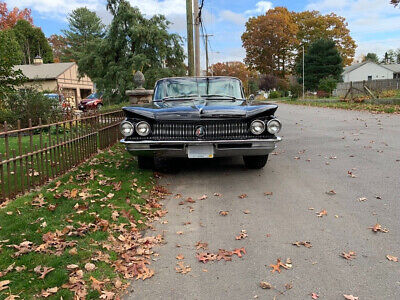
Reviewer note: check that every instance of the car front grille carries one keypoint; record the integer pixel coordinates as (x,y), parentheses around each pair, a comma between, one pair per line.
(212,131)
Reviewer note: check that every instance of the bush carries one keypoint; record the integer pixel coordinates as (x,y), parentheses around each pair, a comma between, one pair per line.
(30,104)
(323,94)
(296,90)
(388,94)
(327,84)
(275,94)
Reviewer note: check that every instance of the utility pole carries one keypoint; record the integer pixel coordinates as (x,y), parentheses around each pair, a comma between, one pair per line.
(197,38)
(206,36)
(304,91)
(189,19)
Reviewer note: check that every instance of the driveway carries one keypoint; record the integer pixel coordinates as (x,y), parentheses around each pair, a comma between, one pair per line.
(354,154)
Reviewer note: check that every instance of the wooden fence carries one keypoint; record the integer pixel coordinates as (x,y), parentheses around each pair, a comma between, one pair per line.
(30,156)
(378,85)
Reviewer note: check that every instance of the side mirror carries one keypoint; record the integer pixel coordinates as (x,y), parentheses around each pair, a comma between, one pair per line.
(251,98)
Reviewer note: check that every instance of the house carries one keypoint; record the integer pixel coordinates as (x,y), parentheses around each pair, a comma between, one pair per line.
(369,70)
(57,78)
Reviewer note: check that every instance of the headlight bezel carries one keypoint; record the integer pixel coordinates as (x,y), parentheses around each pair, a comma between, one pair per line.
(269,126)
(252,127)
(147,133)
(124,133)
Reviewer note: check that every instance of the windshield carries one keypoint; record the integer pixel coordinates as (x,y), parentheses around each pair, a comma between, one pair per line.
(93,96)
(212,87)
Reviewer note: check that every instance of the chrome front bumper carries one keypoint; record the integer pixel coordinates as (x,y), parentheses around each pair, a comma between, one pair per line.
(222,148)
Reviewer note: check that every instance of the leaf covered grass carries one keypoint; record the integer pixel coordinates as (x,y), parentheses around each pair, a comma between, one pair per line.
(107,189)
(376,108)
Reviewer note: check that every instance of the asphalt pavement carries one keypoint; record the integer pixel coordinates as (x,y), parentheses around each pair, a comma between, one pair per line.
(355,154)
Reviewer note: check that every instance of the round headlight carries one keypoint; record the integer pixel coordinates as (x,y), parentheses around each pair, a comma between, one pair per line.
(143,128)
(257,127)
(127,128)
(274,126)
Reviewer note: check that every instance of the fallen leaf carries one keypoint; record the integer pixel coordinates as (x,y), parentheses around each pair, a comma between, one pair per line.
(96,284)
(243,196)
(350,297)
(217,194)
(246,212)
(179,232)
(43,272)
(73,251)
(314,296)
(277,266)
(288,286)
(331,192)
(322,213)
(90,267)
(107,295)
(205,257)
(265,285)
(242,235)
(181,268)
(362,199)
(180,257)
(201,245)
(190,200)
(268,193)
(305,244)
(49,292)
(349,256)
(224,213)
(204,197)
(350,174)
(39,201)
(4,284)
(378,227)
(12,297)
(392,258)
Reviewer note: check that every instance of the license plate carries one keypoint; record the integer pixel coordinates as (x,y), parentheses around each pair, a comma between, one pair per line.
(201,151)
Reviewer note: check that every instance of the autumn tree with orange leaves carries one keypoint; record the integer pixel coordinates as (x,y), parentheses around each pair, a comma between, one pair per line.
(270,42)
(274,40)
(235,69)
(9,18)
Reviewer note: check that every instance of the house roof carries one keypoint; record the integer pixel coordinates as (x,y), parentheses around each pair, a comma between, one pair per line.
(44,71)
(394,67)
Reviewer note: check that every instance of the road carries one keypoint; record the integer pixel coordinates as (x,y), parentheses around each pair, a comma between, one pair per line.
(320,147)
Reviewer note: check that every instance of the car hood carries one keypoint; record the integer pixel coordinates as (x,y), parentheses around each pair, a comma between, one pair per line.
(201,112)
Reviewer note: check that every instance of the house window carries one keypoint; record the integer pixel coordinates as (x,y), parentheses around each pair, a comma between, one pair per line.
(370,77)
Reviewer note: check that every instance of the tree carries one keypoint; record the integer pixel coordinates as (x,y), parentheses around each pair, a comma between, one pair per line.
(84,28)
(395,2)
(327,84)
(132,42)
(390,57)
(235,69)
(314,26)
(268,82)
(371,57)
(270,42)
(321,61)
(32,42)
(10,55)
(59,46)
(9,18)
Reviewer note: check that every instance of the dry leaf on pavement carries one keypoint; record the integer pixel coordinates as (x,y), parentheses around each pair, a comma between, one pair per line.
(180,257)
(392,258)
(322,213)
(201,245)
(224,213)
(242,196)
(350,297)
(242,235)
(265,285)
(181,268)
(305,244)
(331,193)
(314,295)
(349,256)
(378,227)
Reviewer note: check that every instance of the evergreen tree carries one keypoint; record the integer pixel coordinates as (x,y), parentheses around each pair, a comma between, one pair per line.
(322,60)
(372,57)
(84,29)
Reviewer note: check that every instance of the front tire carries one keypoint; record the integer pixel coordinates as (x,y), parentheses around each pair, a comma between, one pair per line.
(146,162)
(255,162)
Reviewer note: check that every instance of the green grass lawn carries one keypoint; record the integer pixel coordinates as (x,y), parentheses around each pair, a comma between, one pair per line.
(107,189)
(378,108)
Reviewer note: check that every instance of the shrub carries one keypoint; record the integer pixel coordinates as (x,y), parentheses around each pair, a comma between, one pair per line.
(30,104)
(327,84)
(296,90)
(274,94)
(388,94)
(323,94)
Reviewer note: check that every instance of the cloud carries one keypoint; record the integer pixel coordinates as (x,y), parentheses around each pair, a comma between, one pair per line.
(261,8)
(233,17)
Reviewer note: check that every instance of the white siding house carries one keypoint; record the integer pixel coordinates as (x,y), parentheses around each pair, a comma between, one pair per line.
(370,71)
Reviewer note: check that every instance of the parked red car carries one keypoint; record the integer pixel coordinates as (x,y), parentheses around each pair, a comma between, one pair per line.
(93,101)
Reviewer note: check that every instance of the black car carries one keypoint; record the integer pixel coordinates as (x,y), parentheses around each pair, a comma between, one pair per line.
(201,117)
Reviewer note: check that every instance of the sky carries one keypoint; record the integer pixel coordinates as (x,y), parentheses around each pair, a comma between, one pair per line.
(374,24)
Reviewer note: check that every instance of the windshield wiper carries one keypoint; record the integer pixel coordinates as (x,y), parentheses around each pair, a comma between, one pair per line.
(179,98)
(219,96)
